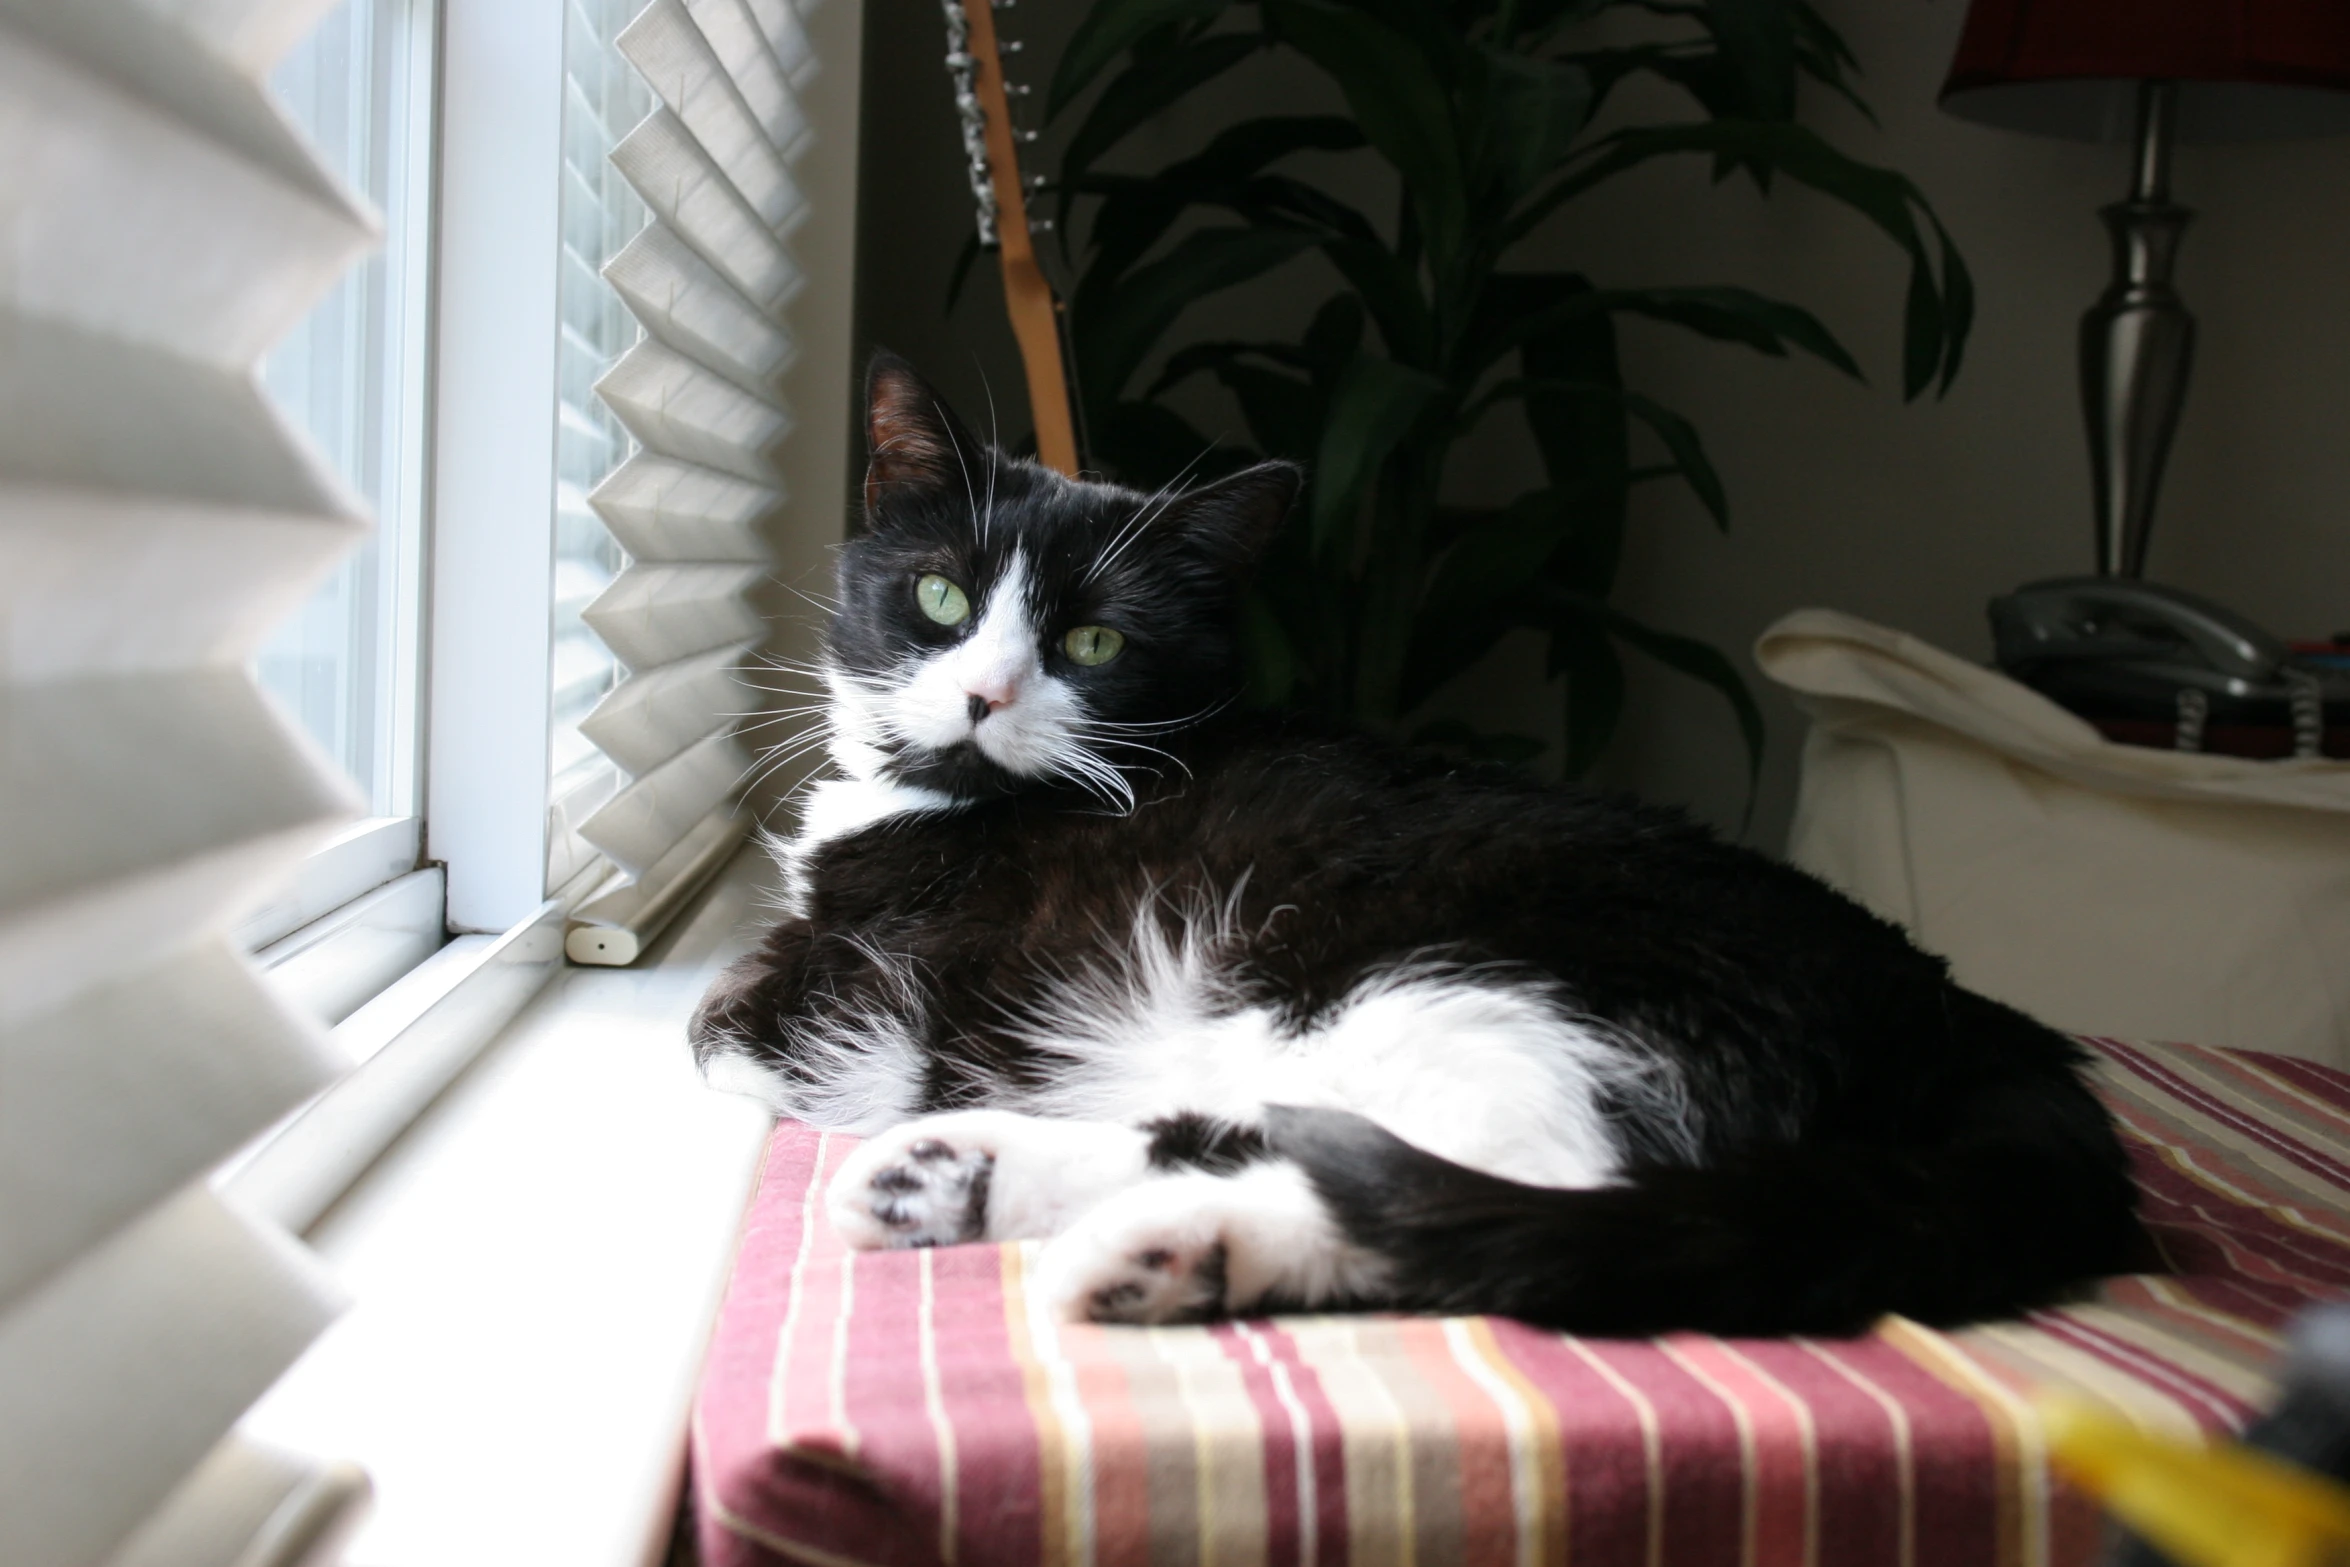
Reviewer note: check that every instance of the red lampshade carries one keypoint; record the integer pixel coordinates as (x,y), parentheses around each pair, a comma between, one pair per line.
(2246,68)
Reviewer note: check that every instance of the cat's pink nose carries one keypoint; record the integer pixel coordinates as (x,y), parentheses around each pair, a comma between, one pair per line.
(988,695)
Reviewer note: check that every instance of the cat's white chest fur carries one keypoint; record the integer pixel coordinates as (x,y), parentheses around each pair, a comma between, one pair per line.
(835,808)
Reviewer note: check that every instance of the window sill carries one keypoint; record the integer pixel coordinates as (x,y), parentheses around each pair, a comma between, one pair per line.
(535,1264)
(363,856)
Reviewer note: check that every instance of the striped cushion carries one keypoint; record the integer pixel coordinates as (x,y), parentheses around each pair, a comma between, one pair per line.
(911,1407)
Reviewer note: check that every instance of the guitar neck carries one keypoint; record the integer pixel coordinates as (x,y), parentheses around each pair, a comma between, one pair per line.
(1028,298)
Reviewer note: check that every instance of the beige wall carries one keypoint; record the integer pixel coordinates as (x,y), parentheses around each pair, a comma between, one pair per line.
(1842,495)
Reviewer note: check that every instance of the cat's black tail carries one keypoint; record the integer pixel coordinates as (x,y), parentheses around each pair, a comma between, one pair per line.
(2026,1195)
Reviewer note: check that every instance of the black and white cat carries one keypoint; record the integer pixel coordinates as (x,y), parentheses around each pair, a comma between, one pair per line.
(1236,1015)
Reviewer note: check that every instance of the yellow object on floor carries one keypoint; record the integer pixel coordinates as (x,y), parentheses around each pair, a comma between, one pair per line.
(2215,1504)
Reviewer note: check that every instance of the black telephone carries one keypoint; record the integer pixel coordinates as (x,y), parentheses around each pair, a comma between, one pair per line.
(2137,659)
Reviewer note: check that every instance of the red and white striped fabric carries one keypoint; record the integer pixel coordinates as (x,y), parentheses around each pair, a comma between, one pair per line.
(916,1407)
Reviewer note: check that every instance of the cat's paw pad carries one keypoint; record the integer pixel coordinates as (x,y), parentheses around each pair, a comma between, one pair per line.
(912,1187)
(1154,1263)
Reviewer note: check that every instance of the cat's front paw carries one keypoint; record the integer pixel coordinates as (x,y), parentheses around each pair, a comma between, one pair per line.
(1187,1248)
(1157,1255)
(979,1175)
(912,1187)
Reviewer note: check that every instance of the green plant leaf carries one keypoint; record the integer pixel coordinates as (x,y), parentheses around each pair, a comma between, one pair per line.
(1477,593)
(1136,212)
(1726,313)
(1154,83)
(1515,308)
(1272,666)
(1537,19)
(1921,332)
(1252,144)
(1276,198)
(1148,444)
(1494,562)
(1189,361)
(1584,442)
(1698,660)
(1116,333)
(1282,411)
(1757,42)
(1737,315)
(1334,336)
(1958,306)
(1678,434)
(1375,403)
(1397,98)
(1681,439)
(1709,666)
(1933,335)
(1594,674)
(1110,29)
(1316,624)
(1825,57)
(1527,114)
(1390,293)
(1434,36)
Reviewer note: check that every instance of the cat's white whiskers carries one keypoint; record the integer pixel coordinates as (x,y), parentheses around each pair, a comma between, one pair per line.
(946,424)
(1094,774)
(1137,745)
(775,663)
(987,517)
(823,601)
(1165,725)
(1144,515)
(776,758)
(769,720)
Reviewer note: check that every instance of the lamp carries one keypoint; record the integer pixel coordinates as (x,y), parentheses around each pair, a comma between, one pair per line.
(2159,71)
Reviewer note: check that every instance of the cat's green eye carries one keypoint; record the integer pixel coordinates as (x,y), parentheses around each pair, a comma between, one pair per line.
(1090,645)
(941,600)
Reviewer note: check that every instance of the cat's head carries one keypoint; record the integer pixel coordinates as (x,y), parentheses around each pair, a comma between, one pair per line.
(1001,626)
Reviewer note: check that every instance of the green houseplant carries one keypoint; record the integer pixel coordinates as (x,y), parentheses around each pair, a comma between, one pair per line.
(1488,114)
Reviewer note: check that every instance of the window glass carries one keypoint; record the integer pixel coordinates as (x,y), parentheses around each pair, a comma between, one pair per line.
(603,100)
(350,376)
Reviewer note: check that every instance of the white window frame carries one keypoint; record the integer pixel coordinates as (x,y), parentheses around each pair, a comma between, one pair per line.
(497,261)
(379,849)
(361,936)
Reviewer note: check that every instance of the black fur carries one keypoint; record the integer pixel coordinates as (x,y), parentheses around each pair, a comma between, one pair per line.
(1190,1141)
(1864,1136)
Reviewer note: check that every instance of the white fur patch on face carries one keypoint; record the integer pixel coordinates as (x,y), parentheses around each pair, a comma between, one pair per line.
(1029,721)
(859,733)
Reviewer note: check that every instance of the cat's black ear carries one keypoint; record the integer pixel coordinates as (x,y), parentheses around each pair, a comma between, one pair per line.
(1231,521)
(912,440)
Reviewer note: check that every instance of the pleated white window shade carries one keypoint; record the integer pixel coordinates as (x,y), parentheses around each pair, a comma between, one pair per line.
(602,98)
(708,278)
(162,227)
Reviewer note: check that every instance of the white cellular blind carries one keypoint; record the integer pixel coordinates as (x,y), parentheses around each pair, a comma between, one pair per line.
(708,278)
(602,98)
(162,227)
